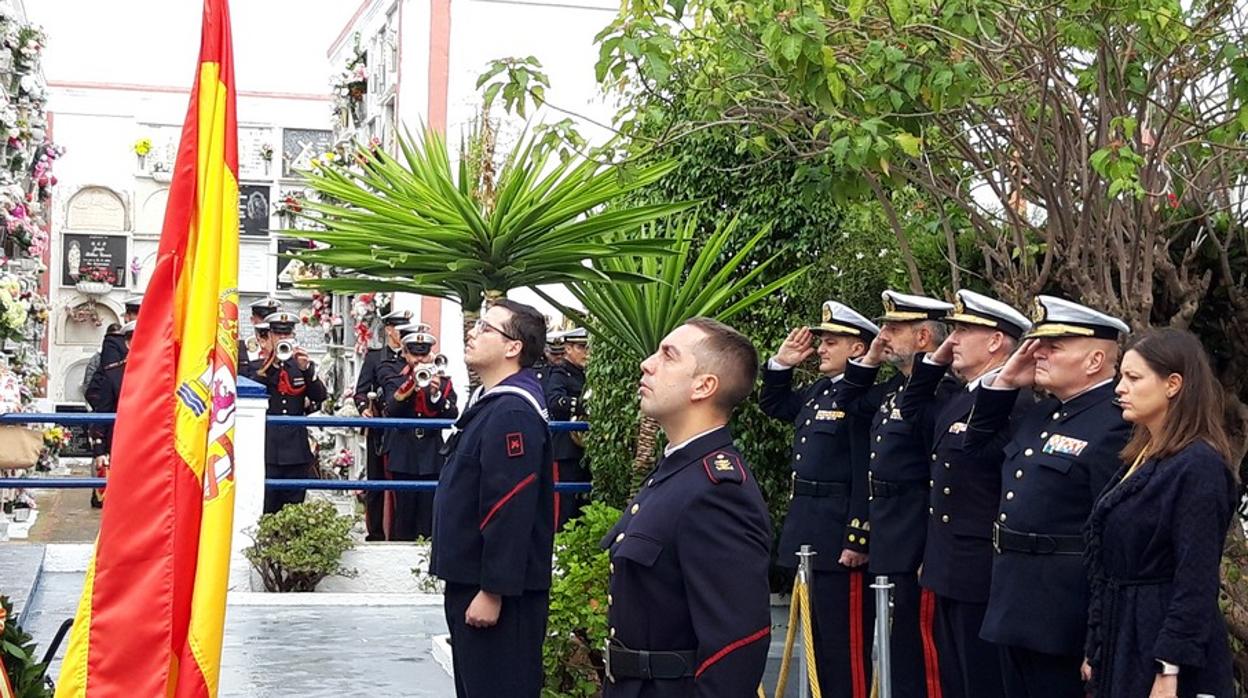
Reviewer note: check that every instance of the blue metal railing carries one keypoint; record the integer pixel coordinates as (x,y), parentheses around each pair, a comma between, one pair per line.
(81,418)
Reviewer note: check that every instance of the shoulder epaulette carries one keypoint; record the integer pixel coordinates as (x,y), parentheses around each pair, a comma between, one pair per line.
(724,466)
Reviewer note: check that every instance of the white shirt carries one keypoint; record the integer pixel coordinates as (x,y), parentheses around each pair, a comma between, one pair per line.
(669,449)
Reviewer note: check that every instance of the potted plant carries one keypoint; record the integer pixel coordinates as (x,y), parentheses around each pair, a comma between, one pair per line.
(142,147)
(300,545)
(95,281)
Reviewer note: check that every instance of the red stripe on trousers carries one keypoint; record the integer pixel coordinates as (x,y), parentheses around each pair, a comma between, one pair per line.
(927,616)
(857,670)
(730,648)
(514,491)
(555,465)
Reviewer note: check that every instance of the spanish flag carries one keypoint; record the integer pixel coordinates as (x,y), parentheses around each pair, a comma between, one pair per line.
(152,611)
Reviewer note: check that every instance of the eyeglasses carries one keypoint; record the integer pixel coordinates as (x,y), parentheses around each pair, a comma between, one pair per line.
(482,325)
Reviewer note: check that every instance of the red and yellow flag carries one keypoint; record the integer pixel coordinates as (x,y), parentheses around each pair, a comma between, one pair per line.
(152,612)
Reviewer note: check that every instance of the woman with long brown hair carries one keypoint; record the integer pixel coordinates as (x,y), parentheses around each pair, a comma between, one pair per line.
(1156,533)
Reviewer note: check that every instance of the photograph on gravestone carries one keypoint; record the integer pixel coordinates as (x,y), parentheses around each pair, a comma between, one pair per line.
(253,209)
(300,145)
(290,270)
(85,255)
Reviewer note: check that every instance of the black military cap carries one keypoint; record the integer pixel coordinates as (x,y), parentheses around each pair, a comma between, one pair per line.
(576,335)
(282,322)
(397,317)
(132,303)
(419,342)
(266,307)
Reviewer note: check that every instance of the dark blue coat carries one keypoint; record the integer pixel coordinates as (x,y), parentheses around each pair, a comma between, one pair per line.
(1154,550)
(689,562)
(563,389)
(493,513)
(1057,461)
(103,395)
(368,378)
(965,488)
(900,460)
(292,392)
(829,446)
(414,451)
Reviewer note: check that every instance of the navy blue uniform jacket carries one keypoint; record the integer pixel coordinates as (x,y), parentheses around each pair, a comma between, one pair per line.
(1057,461)
(1154,548)
(564,388)
(900,460)
(368,379)
(829,446)
(494,510)
(292,392)
(689,561)
(414,451)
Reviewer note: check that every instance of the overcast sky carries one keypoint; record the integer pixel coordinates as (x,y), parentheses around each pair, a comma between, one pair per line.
(279,45)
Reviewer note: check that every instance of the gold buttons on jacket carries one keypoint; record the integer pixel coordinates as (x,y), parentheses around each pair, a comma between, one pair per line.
(1029,452)
(1002,517)
(1009,496)
(944,518)
(619,538)
(635,508)
(798,456)
(1018,474)
(948,491)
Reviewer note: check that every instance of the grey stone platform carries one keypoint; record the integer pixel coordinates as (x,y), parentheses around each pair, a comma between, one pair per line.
(20,564)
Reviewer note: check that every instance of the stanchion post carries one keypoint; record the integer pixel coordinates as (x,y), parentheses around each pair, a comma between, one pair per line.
(249,431)
(804,574)
(883,626)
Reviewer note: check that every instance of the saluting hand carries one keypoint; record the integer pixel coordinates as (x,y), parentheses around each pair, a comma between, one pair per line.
(796,347)
(1020,370)
(944,353)
(875,353)
(484,609)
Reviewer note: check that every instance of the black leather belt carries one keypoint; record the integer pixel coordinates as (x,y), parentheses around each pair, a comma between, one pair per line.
(1006,541)
(623,663)
(819,488)
(882,488)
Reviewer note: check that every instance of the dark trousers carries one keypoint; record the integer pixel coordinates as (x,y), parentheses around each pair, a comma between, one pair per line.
(912,639)
(844,621)
(568,505)
(969,666)
(413,511)
(274,500)
(374,500)
(1030,674)
(504,660)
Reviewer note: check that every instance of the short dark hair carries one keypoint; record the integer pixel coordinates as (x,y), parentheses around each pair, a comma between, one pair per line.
(1195,413)
(526,325)
(729,355)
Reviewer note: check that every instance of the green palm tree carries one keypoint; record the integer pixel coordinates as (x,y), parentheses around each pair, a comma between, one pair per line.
(634,318)
(421,225)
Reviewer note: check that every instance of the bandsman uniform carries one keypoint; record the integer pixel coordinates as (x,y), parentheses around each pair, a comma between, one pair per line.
(414,454)
(898,481)
(688,598)
(368,382)
(828,507)
(1058,460)
(292,392)
(965,488)
(493,531)
(565,390)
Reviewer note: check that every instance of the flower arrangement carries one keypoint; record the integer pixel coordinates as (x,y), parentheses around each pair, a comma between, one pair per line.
(266,152)
(100,274)
(364,314)
(14,308)
(321,312)
(142,147)
(288,206)
(55,439)
(136,267)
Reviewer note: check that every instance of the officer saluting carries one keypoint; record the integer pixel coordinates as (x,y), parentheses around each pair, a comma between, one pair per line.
(367,382)
(965,487)
(1061,454)
(413,389)
(565,390)
(493,514)
(898,480)
(249,348)
(688,596)
(294,390)
(828,505)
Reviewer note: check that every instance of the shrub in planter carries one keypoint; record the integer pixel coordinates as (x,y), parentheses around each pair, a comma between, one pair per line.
(577,628)
(25,673)
(300,545)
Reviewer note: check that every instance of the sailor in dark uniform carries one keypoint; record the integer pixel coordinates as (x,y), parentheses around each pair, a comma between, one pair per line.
(551,357)
(965,487)
(415,389)
(565,398)
(295,390)
(249,348)
(687,601)
(1060,455)
(828,501)
(103,395)
(368,402)
(898,481)
(493,520)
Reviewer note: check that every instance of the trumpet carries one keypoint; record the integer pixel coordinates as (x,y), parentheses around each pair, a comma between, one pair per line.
(422,376)
(440,364)
(285,349)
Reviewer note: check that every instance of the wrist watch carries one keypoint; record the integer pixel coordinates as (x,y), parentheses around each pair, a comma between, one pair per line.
(1166,668)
